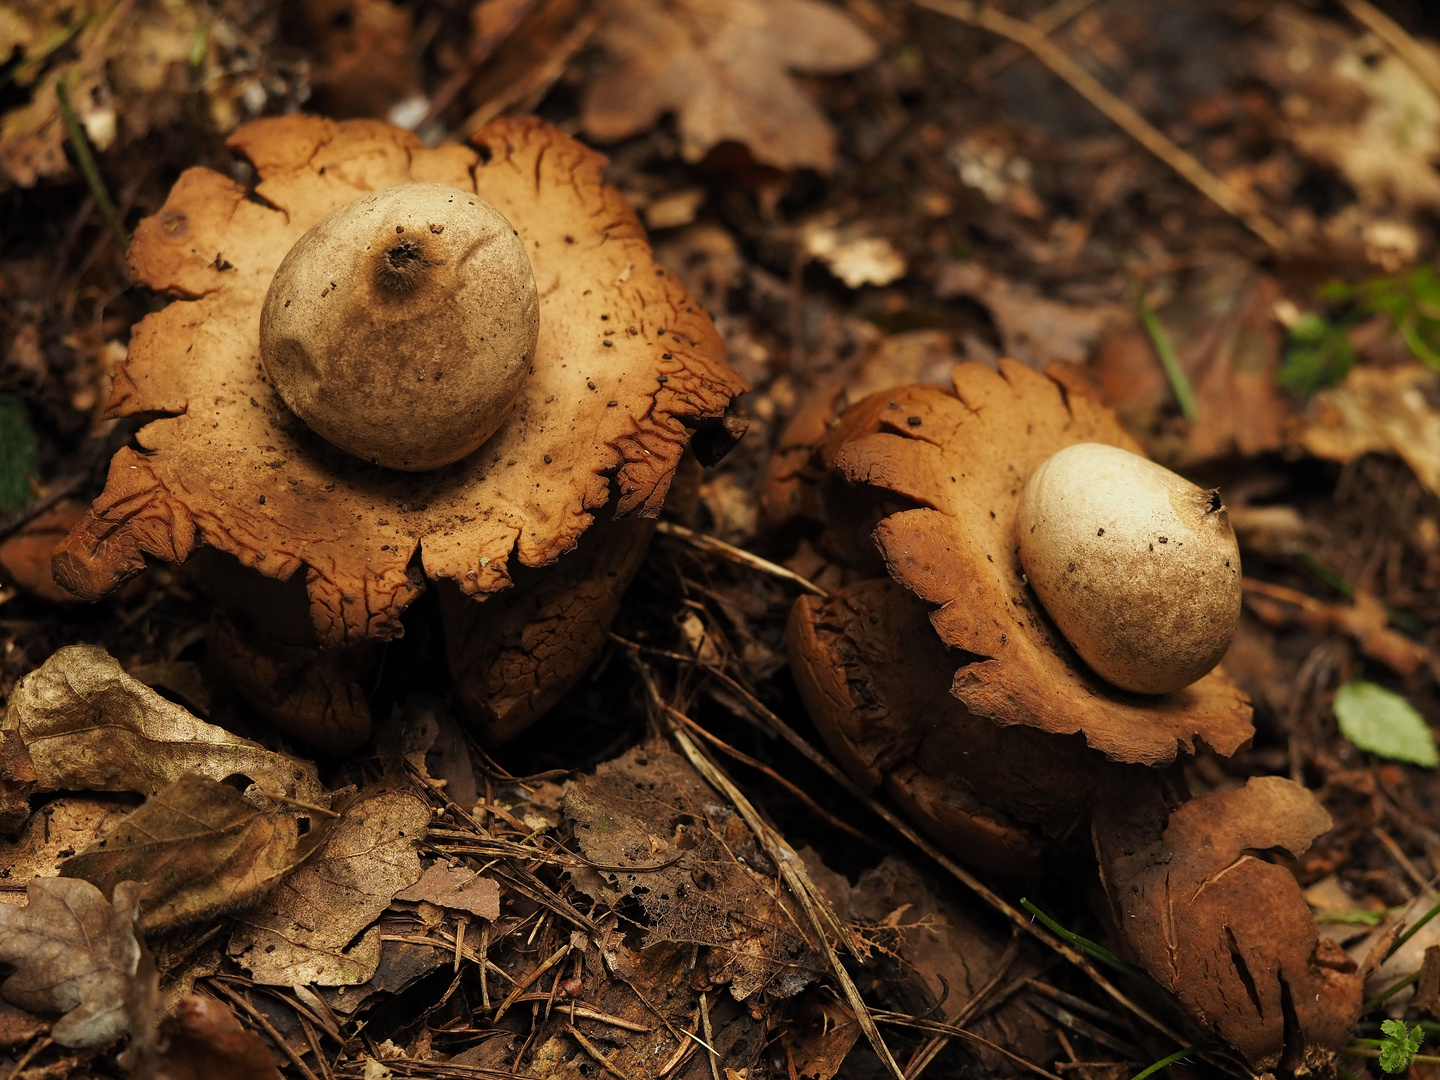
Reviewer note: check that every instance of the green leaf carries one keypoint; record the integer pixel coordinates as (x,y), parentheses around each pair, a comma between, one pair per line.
(1318,354)
(1384,723)
(17,454)
(1399,1045)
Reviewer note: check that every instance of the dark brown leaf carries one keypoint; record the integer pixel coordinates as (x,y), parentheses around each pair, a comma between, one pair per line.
(1224,930)
(74,953)
(198,848)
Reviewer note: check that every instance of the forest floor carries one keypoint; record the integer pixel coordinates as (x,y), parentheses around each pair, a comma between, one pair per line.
(1221,218)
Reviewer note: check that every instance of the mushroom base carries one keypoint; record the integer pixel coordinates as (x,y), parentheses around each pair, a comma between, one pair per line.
(876,681)
(514,654)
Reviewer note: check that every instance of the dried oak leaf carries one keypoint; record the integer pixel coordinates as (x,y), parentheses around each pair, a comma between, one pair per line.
(203,1040)
(306,930)
(1226,338)
(722,66)
(74,952)
(625,368)
(198,848)
(79,722)
(456,888)
(1224,930)
(961,458)
(649,810)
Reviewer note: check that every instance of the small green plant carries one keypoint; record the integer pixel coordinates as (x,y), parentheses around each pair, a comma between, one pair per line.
(18,456)
(1399,1046)
(1319,352)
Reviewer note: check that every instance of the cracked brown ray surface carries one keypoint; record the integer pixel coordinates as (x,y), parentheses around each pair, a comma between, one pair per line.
(960,459)
(1229,933)
(627,365)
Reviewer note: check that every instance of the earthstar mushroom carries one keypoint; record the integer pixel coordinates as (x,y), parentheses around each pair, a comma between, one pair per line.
(319,552)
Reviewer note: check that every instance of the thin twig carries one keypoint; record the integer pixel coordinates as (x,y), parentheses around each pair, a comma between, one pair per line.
(737,555)
(1116,110)
(1393,34)
(594,1051)
(709,1036)
(900,1020)
(790,864)
(35,1048)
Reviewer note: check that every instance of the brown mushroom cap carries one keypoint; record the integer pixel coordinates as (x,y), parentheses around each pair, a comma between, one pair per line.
(401,327)
(959,460)
(626,366)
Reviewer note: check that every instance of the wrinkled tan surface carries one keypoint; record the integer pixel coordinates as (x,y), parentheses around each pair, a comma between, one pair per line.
(351,529)
(964,457)
(1227,932)
(457,888)
(723,67)
(73,953)
(84,724)
(306,930)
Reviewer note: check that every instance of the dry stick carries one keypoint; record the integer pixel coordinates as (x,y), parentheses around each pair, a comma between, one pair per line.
(1020,919)
(260,1019)
(35,1048)
(1047,22)
(1119,113)
(928,1052)
(738,555)
(709,1036)
(1394,35)
(788,862)
(530,979)
(900,1020)
(789,785)
(594,1051)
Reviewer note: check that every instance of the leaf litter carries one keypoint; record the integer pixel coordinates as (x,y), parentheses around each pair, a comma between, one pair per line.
(972,207)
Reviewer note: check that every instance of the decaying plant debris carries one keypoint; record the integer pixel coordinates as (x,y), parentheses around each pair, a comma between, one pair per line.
(595,754)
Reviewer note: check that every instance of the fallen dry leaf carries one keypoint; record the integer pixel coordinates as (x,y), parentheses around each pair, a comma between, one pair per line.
(53,834)
(203,1040)
(364,48)
(25,557)
(456,888)
(74,953)
(722,66)
(1033,328)
(648,810)
(305,931)
(1223,328)
(962,457)
(198,848)
(1384,410)
(1353,105)
(1224,930)
(79,722)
